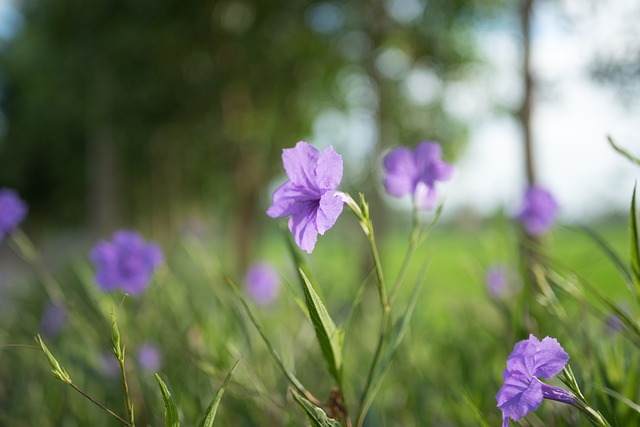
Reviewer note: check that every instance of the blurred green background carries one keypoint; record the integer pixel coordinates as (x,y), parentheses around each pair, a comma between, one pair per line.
(169,117)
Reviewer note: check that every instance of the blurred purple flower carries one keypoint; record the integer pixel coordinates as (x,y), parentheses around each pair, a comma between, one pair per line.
(262,283)
(538,211)
(309,196)
(496,279)
(149,357)
(522,391)
(53,319)
(416,172)
(614,324)
(126,262)
(12,211)
(109,364)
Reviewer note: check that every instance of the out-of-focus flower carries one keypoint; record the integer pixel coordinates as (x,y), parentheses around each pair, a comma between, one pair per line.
(309,197)
(416,173)
(522,391)
(109,364)
(538,211)
(12,211)
(53,319)
(126,262)
(149,357)
(262,283)
(496,279)
(500,284)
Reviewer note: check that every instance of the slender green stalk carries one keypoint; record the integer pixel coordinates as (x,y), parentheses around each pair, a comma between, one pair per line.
(365,402)
(414,242)
(362,213)
(100,405)
(118,351)
(60,373)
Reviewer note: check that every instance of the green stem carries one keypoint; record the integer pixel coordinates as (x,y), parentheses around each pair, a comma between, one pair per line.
(414,241)
(365,399)
(100,405)
(126,390)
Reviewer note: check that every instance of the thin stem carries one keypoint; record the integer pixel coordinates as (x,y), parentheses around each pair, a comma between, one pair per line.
(100,405)
(414,241)
(126,390)
(365,400)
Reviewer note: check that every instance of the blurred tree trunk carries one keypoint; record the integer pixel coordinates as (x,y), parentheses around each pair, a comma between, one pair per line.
(526,109)
(529,244)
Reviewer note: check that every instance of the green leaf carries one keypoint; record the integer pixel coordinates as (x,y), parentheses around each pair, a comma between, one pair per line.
(210,415)
(634,252)
(622,151)
(170,410)
(328,335)
(613,256)
(316,415)
(274,354)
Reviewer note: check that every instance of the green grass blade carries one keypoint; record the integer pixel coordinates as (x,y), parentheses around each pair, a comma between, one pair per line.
(397,333)
(633,241)
(328,335)
(210,415)
(622,151)
(274,354)
(613,256)
(317,416)
(170,409)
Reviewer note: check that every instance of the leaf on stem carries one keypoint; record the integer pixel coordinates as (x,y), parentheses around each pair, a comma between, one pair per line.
(317,416)
(328,335)
(210,415)
(634,250)
(274,354)
(170,409)
(622,151)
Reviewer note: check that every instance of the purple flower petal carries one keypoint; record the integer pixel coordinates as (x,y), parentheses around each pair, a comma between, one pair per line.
(287,200)
(401,172)
(550,358)
(126,262)
(309,197)
(519,395)
(262,283)
(329,210)
(300,163)
(538,211)
(425,197)
(522,391)
(149,357)
(302,226)
(416,172)
(12,211)
(329,170)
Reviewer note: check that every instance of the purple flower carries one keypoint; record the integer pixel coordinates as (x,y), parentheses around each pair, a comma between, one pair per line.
(416,172)
(53,319)
(262,283)
(522,391)
(149,357)
(500,284)
(109,364)
(538,211)
(309,196)
(497,281)
(12,211)
(126,262)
